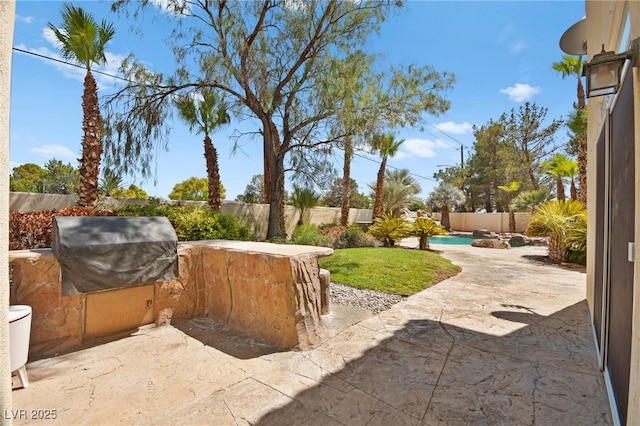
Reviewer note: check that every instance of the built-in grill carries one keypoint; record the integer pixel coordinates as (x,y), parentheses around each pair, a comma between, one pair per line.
(103,252)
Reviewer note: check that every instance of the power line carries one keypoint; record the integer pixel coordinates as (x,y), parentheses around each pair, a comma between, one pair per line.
(124,79)
(67,63)
(391,167)
(444,133)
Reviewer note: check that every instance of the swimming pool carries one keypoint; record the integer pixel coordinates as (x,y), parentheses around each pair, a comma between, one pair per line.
(450,239)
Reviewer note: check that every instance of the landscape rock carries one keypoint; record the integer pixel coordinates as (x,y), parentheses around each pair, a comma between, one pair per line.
(491,243)
(482,233)
(518,241)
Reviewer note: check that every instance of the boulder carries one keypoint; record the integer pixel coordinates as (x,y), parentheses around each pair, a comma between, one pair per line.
(518,241)
(482,233)
(490,243)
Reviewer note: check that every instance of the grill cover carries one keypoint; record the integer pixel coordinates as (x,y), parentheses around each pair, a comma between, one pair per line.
(102,252)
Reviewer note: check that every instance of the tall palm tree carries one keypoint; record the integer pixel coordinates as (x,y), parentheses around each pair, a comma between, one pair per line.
(203,115)
(446,196)
(387,146)
(572,66)
(510,190)
(82,40)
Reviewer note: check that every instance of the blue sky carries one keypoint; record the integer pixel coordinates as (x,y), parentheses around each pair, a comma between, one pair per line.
(500,51)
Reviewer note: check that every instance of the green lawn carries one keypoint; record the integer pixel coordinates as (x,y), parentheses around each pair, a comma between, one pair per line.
(392,270)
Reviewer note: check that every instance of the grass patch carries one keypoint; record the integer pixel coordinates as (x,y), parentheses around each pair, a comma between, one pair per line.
(399,271)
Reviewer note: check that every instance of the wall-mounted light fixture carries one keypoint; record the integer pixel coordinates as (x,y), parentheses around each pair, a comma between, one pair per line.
(604,71)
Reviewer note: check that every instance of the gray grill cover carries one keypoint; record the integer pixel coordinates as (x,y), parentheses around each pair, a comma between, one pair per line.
(102,252)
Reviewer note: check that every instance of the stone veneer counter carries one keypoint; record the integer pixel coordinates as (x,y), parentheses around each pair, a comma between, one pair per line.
(272,292)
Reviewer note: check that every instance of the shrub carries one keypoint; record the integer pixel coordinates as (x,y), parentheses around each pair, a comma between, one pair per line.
(352,237)
(310,235)
(32,230)
(388,229)
(194,223)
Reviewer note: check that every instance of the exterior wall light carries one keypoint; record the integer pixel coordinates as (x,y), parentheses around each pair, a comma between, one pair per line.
(604,71)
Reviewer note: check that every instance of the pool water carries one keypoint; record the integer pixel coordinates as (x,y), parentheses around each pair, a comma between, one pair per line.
(450,239)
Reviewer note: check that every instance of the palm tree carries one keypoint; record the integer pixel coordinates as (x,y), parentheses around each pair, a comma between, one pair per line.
(204,115)
(386,146)
(110,183)
(527,201)
(557,220)
(572,66)
(82,40)
(445,196)
(510,189)
(304,199)
(399,190)
(561,167)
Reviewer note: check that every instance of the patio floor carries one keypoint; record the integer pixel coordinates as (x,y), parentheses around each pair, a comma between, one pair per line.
(506,341)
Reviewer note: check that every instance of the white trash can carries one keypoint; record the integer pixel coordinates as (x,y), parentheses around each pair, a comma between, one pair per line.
(19,336)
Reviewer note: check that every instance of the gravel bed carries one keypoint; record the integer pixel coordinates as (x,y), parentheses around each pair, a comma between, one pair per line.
(375,301)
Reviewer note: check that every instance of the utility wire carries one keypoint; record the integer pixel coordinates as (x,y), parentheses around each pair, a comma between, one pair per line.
(124,79)
(68,63)
(444,133)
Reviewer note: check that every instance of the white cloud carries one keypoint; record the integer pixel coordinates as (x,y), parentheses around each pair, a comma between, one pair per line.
(517,46)
(53,151)
(27,19)
(455,128)
(419,147)
(521,92)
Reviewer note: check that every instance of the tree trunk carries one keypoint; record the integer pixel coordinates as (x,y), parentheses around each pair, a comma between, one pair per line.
(213,174)
(377,205)
(274,161)
(91,144)
(512,221)
(346,182)
(574,192)
(444,220)
(424,242)
(560,189)
(557,251)
(582,167)
(275,146)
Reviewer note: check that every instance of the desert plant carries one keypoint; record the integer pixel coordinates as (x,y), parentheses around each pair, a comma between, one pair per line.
(388,229)
(310,235)
(527,201)
(423,228)
(557,220)
(446,196)
(304,199)
(194,223)
(352,237)
(509,190)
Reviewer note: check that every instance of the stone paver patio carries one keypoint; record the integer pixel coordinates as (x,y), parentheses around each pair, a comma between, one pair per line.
(506,341)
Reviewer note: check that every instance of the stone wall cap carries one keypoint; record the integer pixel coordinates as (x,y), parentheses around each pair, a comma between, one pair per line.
(262,247)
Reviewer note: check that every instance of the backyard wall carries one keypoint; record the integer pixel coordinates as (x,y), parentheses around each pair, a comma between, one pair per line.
(494,222)
(258,214)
